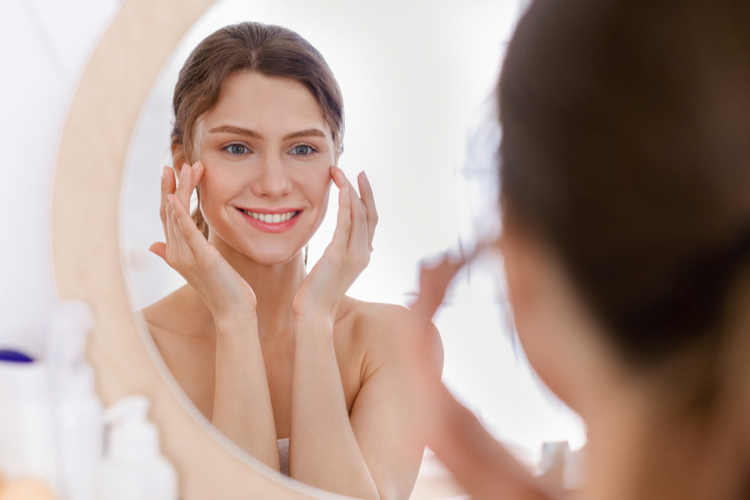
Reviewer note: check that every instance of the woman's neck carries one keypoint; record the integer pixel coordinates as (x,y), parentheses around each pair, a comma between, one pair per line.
(274,285)
(650,437)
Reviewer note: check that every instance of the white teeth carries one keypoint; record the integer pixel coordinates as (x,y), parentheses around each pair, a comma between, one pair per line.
(271,218)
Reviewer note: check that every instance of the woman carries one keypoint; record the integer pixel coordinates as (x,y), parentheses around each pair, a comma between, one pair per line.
(264,349)
(625,195)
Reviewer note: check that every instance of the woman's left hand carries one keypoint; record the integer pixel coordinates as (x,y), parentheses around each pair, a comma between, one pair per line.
(346,256)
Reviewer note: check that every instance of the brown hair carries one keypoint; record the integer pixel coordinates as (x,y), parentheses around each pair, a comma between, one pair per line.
(266,49)
(626,149)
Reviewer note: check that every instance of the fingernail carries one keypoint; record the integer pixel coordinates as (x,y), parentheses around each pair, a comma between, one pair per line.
(195,165)
(184,169)
(363,174)
(164,172)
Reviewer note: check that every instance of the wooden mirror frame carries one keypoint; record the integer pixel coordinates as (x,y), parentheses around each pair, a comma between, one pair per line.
(86,250)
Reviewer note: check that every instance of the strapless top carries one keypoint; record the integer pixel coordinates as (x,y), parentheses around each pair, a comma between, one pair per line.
(284,455)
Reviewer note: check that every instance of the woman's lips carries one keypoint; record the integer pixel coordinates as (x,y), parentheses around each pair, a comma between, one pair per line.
(271,221)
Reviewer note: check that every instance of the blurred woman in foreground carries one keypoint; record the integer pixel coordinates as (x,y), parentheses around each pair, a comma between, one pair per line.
(625,196)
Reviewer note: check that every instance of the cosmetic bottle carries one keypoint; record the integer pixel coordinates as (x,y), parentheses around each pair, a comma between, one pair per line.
(133,467)
(77,412)
(27,437)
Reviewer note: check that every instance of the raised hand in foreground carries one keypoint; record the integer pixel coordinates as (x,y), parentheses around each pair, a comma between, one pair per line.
(453,432)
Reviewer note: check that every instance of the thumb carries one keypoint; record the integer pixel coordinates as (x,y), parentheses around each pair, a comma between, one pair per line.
(160,249)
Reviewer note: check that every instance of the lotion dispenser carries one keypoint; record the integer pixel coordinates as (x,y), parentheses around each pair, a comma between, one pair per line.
(133,467)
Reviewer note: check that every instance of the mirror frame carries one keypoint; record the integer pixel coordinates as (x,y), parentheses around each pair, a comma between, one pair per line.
(86,251)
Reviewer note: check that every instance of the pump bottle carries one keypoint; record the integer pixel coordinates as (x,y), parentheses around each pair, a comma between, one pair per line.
(133,468)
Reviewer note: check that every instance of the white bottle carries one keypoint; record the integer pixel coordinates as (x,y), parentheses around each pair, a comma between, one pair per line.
(27,435)
(79,422)
(133,468)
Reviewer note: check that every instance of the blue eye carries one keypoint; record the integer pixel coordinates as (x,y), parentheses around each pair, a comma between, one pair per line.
(302,150)
(237,149)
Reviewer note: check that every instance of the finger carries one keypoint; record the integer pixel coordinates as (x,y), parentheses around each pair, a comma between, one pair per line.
(168,185)
(173,250)
(357,225)
(343,219)
(185,186)
(159,248)
(359,236)
(198,169)
(179,242)
(433,284)
(190,233)
(365,193)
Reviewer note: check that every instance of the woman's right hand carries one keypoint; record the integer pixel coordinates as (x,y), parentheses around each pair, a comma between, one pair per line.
(188,252)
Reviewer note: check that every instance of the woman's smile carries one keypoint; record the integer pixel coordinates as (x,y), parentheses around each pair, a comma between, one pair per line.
(272,221)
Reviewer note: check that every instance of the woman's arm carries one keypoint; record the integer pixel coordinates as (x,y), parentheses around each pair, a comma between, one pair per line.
(242,408)
(326,443)
(477,461)
(242,400)
(323,450)
(376,451)
(475,458)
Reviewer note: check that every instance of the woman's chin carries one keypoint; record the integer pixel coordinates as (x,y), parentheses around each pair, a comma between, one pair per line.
(273,257)
(260,252)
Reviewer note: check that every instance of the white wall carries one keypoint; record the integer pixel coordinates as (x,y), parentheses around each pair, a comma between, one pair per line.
(43,47)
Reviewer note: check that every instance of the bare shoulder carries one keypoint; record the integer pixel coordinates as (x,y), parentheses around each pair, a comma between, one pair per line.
(184,339)
(392,332)
(176,313)
(161,312)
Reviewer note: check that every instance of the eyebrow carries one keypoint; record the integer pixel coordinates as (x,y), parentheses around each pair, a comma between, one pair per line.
(233,129)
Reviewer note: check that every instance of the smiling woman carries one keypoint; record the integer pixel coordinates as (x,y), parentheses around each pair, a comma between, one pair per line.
(268,151)
(281,361)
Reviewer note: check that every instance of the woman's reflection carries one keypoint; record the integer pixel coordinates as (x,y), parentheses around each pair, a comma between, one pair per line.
(279,359)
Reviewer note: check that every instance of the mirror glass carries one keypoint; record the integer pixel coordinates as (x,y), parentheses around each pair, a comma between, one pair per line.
(417,85)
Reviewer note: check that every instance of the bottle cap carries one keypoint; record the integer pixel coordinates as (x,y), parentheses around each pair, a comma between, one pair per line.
(14,356)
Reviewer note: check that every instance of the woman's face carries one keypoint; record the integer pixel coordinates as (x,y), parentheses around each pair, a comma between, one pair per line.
(267,152)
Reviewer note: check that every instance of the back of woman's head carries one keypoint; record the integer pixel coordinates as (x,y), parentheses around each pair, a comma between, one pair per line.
(266,49)
(626,149)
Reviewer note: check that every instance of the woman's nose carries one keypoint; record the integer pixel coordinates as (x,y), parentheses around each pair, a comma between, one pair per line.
(273,180)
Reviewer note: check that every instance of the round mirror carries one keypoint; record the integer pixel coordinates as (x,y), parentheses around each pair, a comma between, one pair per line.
(417,87)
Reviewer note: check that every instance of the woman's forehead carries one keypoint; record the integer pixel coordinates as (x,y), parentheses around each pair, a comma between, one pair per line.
(270,106)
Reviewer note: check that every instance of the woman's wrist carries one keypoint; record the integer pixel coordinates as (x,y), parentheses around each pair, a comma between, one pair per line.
(225,321)
(317,323)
